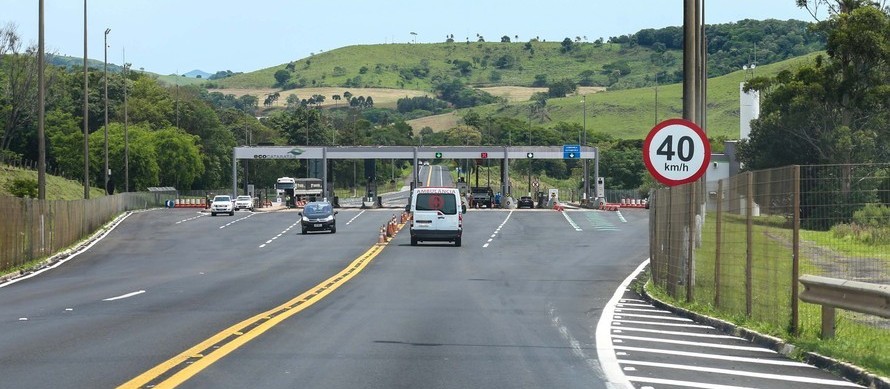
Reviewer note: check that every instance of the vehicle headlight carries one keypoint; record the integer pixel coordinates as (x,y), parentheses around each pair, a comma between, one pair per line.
(327,219)
(305,219)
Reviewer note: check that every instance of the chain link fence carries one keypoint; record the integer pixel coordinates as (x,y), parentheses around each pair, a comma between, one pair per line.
(739,245)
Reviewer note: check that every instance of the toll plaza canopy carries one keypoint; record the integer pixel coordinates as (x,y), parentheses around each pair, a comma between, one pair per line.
(407,152)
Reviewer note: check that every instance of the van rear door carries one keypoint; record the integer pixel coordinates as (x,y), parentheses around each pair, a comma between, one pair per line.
(436,211)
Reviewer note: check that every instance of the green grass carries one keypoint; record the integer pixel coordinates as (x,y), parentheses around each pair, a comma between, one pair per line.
(384,62)
(855,342)
(631,113)
(57,188)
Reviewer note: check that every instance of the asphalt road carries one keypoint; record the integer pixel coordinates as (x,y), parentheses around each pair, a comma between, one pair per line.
(175,297)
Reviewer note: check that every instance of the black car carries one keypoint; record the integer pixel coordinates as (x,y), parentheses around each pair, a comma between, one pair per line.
(318,216)
(525,201)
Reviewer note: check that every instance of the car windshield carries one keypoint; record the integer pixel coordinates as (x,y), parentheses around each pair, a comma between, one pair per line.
(222,198)
(243,197)
(445,203)
(318,209)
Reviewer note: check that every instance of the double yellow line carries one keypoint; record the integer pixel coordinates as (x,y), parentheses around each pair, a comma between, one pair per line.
(188,363)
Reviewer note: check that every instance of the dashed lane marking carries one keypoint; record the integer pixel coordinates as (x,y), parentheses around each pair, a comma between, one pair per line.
(498,230)
(290,227)
(236,220)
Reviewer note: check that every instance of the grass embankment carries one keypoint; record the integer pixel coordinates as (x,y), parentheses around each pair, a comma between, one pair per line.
(858,340)
(57,188)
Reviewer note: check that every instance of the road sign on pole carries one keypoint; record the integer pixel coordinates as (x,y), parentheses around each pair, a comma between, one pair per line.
(484,155)
(438,155)
(676,152)
(529,155)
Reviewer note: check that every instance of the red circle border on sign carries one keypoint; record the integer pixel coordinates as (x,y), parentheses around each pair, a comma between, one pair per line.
(647,144)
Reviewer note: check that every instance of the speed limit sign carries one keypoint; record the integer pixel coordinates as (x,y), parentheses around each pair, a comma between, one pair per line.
(676,152)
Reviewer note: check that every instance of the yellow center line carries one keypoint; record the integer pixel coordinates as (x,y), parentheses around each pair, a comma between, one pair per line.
(429,176)
(197,358)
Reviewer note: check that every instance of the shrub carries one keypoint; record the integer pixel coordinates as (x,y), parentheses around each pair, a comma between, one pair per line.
(23,187)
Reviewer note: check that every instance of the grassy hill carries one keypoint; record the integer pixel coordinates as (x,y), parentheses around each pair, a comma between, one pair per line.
(419,66)
(57,188)
(630,113)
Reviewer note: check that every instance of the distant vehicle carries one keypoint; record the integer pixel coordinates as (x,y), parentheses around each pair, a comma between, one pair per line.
(318,216)
(426,163)
(437,215)
(286,186)
(525,202)
(244,202)
(482,196)
(222,204)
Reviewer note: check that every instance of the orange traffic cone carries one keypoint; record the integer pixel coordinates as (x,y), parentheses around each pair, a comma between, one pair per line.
(381,239)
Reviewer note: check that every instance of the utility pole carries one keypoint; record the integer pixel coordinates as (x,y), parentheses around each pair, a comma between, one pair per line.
(86,111)
(41,114)
(106,172)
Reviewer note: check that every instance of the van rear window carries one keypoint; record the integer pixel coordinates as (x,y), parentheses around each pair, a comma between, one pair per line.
(446,203)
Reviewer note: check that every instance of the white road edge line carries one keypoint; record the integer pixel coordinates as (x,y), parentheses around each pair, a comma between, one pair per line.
(688,384)
(123,296)
(605,350)
(70,257)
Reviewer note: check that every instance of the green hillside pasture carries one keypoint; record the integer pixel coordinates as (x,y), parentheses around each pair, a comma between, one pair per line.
(383,97)
(57,188)
(390,65)
(630,113)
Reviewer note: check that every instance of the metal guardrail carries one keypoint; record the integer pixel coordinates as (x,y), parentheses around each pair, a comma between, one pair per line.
(854,296)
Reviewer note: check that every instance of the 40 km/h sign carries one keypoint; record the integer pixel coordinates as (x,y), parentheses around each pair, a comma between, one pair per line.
(676,152)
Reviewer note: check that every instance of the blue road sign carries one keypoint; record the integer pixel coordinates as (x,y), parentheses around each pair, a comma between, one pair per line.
(571,151)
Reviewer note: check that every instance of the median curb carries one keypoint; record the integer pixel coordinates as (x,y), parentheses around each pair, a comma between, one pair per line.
(845,370)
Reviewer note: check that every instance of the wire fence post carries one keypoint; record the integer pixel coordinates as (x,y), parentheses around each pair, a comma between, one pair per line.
(795,252)
(749,244)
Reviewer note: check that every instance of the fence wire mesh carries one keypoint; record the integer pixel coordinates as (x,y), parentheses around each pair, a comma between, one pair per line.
(741,243)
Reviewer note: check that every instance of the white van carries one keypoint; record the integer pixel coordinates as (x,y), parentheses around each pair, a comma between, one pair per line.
(437,215)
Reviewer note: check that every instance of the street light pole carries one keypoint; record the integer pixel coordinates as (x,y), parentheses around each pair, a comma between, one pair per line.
(126,132)
(586,161)
(41,114)
(105,172)
(86,112)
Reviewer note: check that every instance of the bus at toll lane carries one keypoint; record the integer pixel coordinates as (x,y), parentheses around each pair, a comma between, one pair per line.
(299,189)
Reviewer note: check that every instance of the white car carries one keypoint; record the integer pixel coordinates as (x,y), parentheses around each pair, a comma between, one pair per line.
(244,202)
(222,204)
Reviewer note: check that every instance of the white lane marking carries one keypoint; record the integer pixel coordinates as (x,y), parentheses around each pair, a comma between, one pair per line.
(688,384)
(634,300)
(235,221)
(572,222)
(778,362)
(696,344)
(636,305)
(123,296)
(498,230)
(652,323)
(577,347)
(282,233)
(680,333)
(605,350)
(191,218)
(779,377)
(355,217)
(624,309)
(101,235)
(623,315)
(620,216)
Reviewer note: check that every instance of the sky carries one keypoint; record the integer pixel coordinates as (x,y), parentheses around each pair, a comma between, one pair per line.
(167,37)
